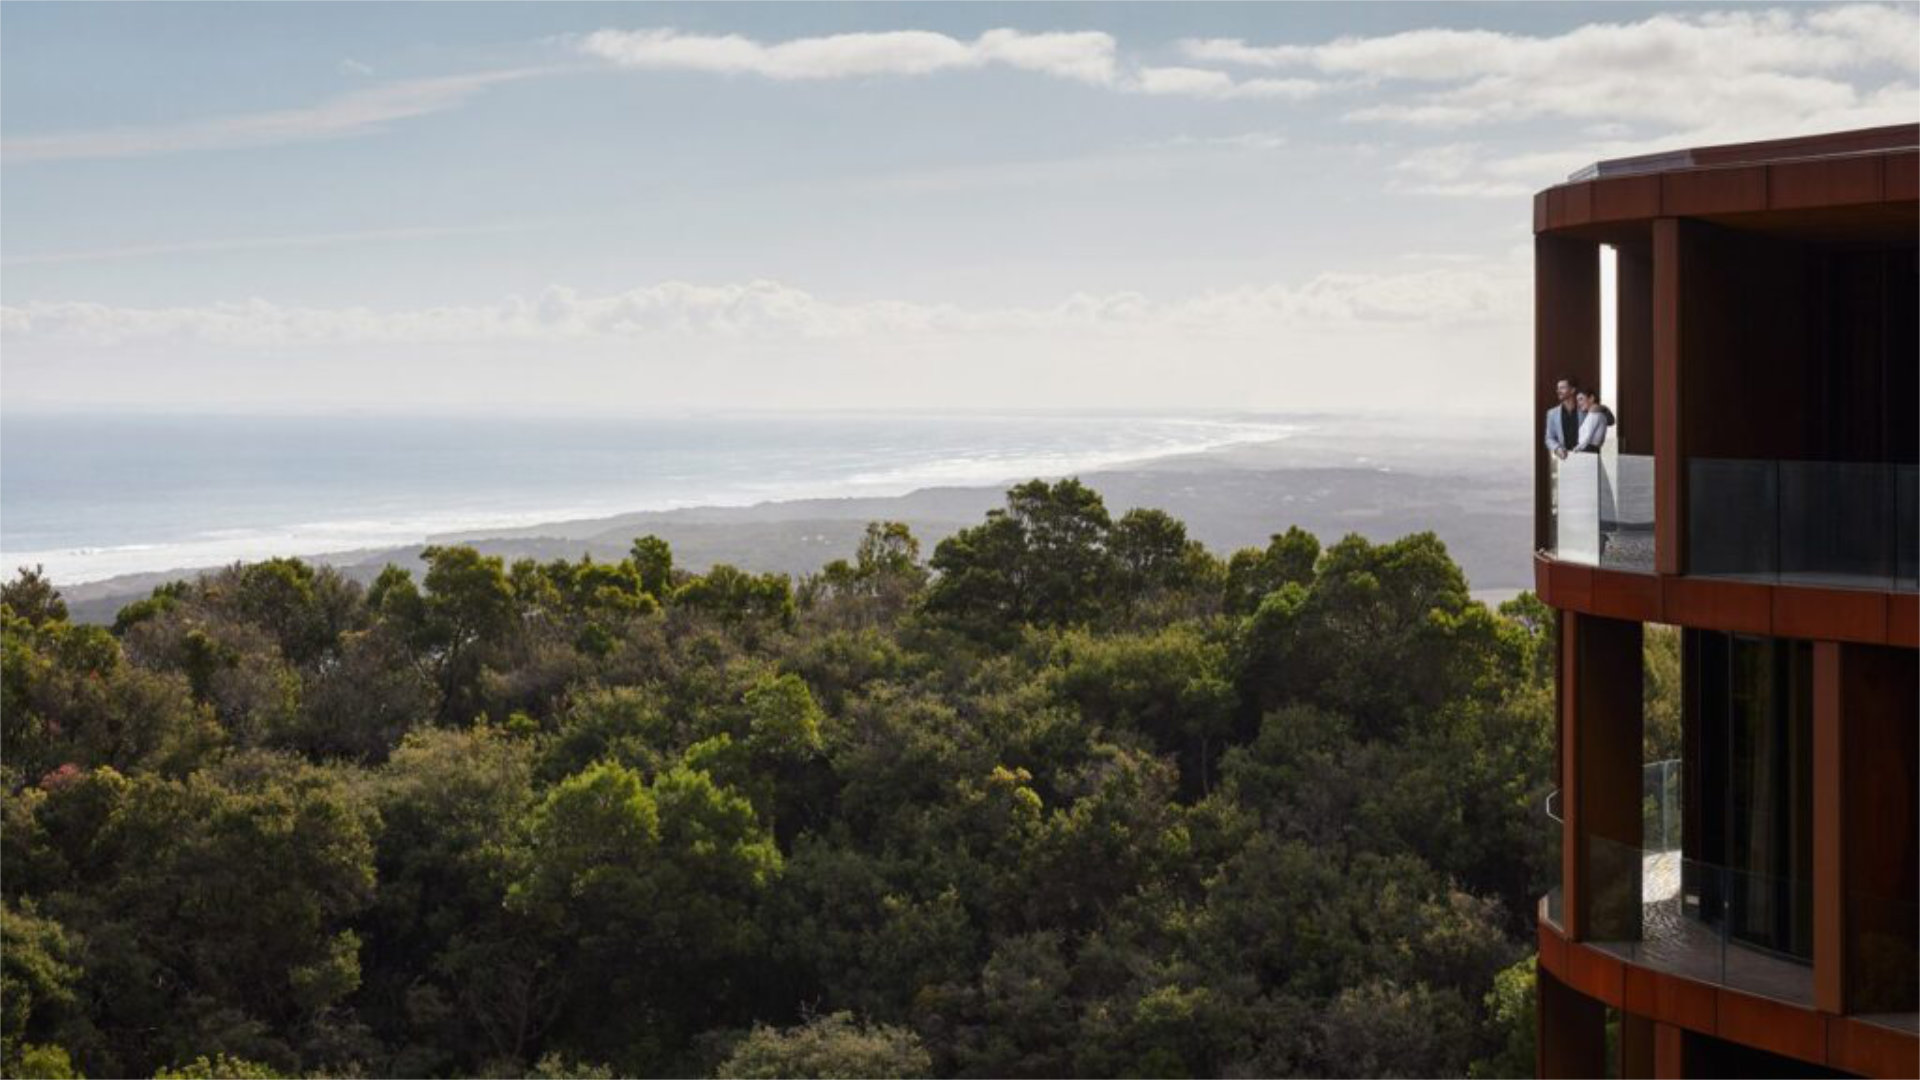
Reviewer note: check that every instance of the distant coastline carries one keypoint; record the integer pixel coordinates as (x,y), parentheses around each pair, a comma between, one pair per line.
(1332,479)
(92,498)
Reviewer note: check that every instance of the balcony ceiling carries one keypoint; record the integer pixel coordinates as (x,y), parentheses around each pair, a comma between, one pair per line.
(1877,225)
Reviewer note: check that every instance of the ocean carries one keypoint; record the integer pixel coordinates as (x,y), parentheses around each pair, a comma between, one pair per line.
(95,496)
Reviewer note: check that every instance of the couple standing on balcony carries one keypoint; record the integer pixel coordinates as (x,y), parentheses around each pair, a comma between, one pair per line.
(1581,414)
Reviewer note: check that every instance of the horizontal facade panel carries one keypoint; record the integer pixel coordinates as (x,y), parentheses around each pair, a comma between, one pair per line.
(1843,181)
(1805,612)
(1772,1025)
(1870,1050)
(1838,1041)
(1671,1000)
(1902,179)
(1626,596)
(1697,192)
(1626,198)
(1830,615)
(1714,191)
(1596,974)
(1903,620)
(1739,606)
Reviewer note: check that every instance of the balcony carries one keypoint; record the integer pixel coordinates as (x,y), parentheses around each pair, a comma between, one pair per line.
(1603,510)
(1808,523)
(1653,907)
(1692,919)
(1828,523)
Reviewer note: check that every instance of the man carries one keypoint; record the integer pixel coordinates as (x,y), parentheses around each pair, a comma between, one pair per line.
(1563,420)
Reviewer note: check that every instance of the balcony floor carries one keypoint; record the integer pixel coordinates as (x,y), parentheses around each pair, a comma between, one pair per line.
(1674,942)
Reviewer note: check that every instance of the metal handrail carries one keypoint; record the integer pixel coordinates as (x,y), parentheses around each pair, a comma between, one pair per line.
(1664,769)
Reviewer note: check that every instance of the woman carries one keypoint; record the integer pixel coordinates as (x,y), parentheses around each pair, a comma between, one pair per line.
(1595,420)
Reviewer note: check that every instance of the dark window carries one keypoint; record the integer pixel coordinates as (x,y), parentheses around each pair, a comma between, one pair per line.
(1753,701)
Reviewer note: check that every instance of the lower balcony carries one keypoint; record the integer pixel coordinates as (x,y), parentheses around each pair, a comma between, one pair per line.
(1650,906)
(1707,923)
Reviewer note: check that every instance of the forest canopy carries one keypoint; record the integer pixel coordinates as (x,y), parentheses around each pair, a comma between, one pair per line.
(1070,796)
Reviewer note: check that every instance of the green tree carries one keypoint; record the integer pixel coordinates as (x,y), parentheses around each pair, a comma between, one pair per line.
(1174,686)
(1510,1006)
(734,596)
(466,611)
(67,696)
(1252,573)
(45,1062)
(1384,632)
(653,560)
(37,983)
(1662,693)
(831,1045)
(652,887)
(1092,803)
(242,881)
(219,1067)
(452,971)
(304,610)
(33,598)
(1043,559)
(1152,554)
(623,723)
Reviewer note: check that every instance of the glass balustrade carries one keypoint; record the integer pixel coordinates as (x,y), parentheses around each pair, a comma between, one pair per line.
(1660,813)
(1833,523)
(1603,510)
(1836,523)
(1697,920)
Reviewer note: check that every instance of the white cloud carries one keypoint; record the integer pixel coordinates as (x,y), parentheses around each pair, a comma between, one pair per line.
(1084,56)
(350,66)
(773,311)
(1691,78)
(1776,71)
(1218,85)
(1246,140)
(356,113)
(1484,170)
(1466,170)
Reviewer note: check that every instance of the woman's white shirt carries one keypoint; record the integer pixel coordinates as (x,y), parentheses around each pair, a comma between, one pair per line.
(1593,428)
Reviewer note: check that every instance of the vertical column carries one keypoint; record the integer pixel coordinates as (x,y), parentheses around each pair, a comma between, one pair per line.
(1566,344)
(1572,1031)
(1879,696)
(1829,836)
(1601,729)
(1669,450)
(1573,873)
(1633,335)
(1636,1047)
(1669,1052)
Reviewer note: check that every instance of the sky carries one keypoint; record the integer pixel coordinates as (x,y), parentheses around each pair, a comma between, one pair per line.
(561,208)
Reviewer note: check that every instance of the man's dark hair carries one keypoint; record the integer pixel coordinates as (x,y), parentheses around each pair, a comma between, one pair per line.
(1572,383)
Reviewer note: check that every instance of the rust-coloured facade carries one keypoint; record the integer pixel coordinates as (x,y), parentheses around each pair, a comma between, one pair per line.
(1747,904)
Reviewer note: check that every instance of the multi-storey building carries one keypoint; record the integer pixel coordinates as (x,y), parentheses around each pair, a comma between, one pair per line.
(1740,901)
